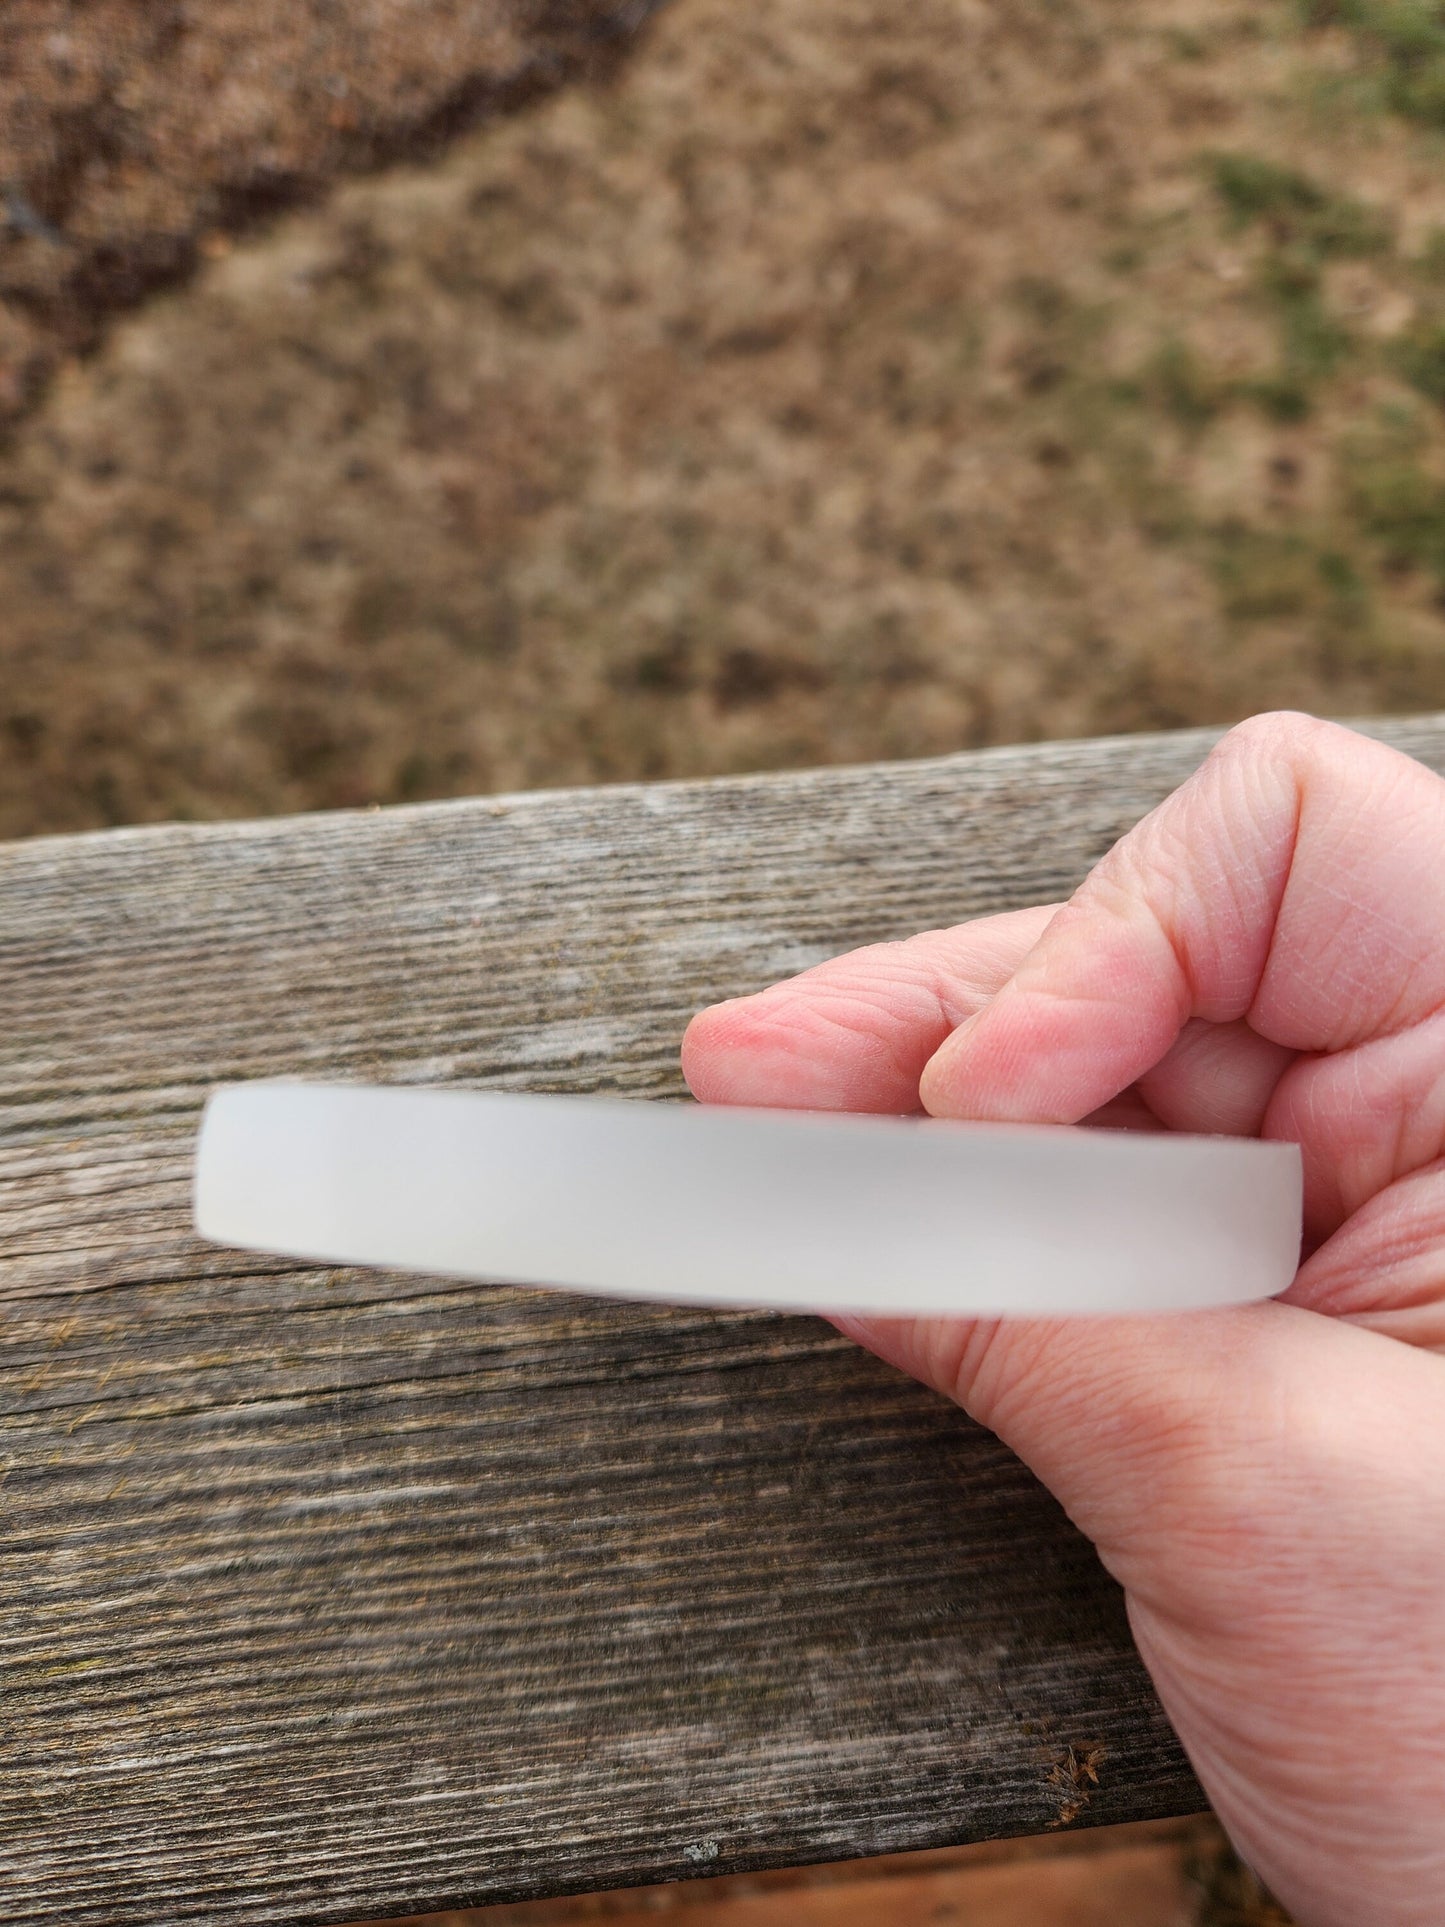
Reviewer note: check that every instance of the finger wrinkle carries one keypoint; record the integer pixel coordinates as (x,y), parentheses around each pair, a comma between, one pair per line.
(1189,873)
(911,1012)
(840,1021)
(1154,906)
(1281,869)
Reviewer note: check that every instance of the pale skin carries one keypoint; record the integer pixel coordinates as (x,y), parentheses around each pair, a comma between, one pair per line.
(1264,955)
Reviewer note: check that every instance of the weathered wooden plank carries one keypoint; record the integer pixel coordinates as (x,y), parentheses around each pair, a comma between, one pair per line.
(326,1593)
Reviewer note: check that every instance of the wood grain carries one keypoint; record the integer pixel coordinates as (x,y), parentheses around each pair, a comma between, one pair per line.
(334,1593)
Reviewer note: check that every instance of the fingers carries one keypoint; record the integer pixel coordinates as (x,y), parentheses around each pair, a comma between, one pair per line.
(854,1033)
(1294,884)
(1385,1268)
(1289,895)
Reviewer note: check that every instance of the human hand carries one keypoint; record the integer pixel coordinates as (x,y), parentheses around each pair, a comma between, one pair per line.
(1263,955)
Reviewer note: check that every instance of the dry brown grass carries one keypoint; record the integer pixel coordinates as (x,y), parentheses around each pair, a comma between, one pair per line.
(844,381)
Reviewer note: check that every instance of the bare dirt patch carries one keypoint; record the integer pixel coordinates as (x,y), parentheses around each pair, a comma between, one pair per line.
(133,139)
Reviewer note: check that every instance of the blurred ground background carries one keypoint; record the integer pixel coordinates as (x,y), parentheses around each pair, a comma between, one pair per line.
(467,394)
(815,383)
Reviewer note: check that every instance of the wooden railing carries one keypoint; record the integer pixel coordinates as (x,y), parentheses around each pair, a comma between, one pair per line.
(327,1593)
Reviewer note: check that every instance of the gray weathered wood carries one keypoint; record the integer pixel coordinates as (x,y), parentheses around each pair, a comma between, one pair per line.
(326,1593)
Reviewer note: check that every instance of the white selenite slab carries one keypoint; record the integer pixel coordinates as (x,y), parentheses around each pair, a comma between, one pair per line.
(710,1205)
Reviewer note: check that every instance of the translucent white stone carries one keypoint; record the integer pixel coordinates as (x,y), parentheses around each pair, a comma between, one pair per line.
(798,1210)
